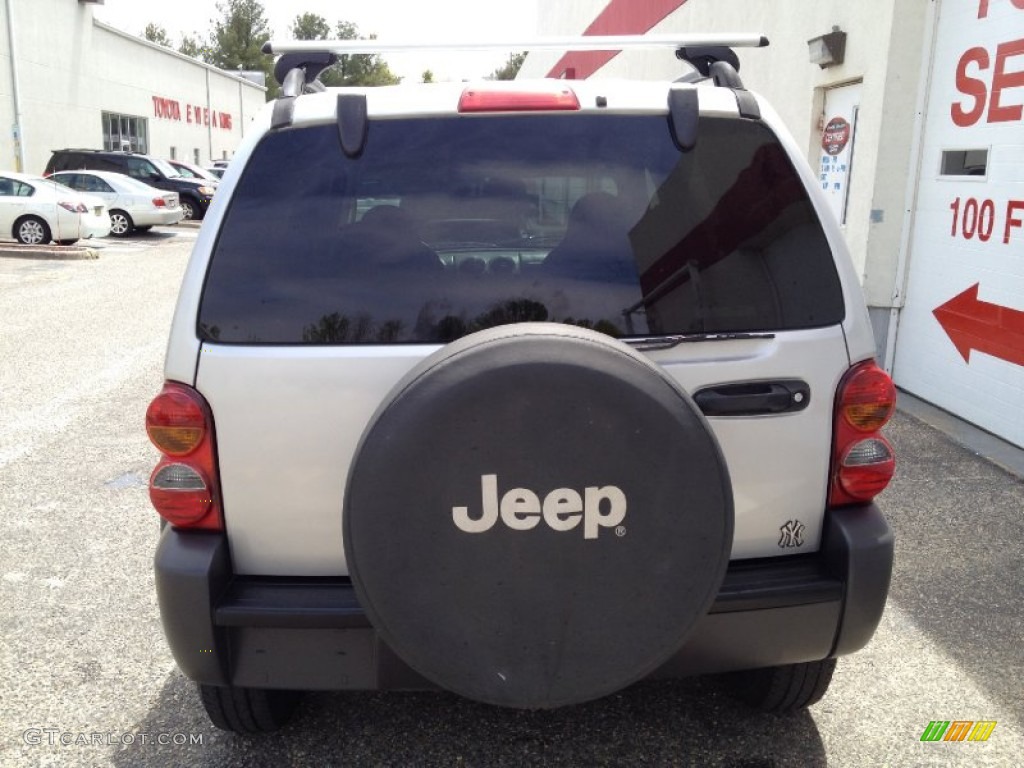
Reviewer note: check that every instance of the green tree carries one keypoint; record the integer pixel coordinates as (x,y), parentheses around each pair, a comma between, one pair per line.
(238,37)
(190,46)
(157,34)
(360,69)
(510,68)
(428,76)
(310,26)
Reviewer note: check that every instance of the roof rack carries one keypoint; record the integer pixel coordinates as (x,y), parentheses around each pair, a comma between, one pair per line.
(711,56)
(570,43)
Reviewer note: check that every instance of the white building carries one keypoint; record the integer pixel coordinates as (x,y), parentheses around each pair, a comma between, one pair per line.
(67,80)
(919,138)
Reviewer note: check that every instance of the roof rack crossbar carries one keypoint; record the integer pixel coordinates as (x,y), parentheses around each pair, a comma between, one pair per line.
(571,43)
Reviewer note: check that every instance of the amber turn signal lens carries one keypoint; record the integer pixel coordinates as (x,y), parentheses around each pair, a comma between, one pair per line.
(868,399)
(175,421)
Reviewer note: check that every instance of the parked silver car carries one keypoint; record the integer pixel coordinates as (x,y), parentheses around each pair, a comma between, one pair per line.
(525,391)
(133,206)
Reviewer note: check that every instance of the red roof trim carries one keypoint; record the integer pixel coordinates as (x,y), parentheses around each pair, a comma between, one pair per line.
(620,17)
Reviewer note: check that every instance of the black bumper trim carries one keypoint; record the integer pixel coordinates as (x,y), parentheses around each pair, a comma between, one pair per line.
(292,603)
(279,632)
(753,585)
(857,546)
(330,603)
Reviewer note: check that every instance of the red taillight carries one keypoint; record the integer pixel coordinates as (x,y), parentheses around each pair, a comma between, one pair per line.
(73,207)
(502,100)
(184,487)
(863,462)
(159,202)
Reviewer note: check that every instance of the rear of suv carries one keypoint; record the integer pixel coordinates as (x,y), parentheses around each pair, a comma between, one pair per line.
(526,391)
(194,195)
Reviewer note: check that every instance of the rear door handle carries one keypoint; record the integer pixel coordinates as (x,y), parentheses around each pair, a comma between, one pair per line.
(754,398)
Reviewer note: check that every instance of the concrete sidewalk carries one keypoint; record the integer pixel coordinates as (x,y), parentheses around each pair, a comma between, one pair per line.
(91,248)
(974,439)
(75,252)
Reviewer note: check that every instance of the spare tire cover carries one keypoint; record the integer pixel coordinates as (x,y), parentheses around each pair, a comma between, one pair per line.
(537,516)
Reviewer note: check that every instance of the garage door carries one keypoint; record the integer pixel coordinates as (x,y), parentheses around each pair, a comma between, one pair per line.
(960,343)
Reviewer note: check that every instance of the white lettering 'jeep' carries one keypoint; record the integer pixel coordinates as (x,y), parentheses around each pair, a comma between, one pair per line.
(563,509)
(618,314)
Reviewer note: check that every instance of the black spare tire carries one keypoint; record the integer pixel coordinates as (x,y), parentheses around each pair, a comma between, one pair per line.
(537,516)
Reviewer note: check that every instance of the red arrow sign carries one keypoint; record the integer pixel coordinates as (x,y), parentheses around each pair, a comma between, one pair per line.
(989,328)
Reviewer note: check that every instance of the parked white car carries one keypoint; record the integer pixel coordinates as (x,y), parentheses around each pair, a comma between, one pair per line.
(34,211)
(190,171)
(133,205)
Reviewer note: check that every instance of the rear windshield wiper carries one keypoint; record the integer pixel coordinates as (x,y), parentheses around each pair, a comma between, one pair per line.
(667,342)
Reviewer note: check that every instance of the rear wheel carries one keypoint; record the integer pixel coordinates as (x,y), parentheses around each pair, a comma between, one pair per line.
(191,209)
(247,710)
(32,230)
(121,224)
(783,689)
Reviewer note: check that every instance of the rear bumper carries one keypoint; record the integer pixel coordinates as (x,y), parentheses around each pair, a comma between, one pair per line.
(93,225)
(156,217)
(303,633)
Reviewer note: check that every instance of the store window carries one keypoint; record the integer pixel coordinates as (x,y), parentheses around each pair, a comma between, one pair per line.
(125,133)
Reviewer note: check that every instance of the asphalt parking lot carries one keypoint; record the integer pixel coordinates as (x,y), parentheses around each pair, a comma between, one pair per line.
(85,677)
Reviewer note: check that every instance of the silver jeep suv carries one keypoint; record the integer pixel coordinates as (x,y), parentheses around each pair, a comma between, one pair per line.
(526,391)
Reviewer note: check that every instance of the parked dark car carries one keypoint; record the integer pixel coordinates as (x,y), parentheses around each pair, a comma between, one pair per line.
(195,195)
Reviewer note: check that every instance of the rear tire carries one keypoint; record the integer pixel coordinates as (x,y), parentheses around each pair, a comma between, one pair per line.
(247,710)
(32,230)
(191,209)
(783,689)
(121,224)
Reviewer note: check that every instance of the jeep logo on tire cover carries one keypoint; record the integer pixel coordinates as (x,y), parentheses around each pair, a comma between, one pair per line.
(563,509)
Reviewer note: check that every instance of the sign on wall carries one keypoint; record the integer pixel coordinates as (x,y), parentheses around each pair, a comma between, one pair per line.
(837,134)
(170,109)
(960,342)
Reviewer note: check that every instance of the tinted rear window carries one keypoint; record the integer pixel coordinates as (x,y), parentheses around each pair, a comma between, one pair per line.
(446,226)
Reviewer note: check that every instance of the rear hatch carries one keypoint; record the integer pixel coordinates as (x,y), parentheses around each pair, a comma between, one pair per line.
(317,301)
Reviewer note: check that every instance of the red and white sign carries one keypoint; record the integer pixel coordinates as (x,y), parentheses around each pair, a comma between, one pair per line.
(835,136)
(960,342)
(837,146)
(169,109)
(978,325)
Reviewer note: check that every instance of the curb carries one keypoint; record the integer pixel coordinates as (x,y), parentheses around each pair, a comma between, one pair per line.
(979,442)
(49,252)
